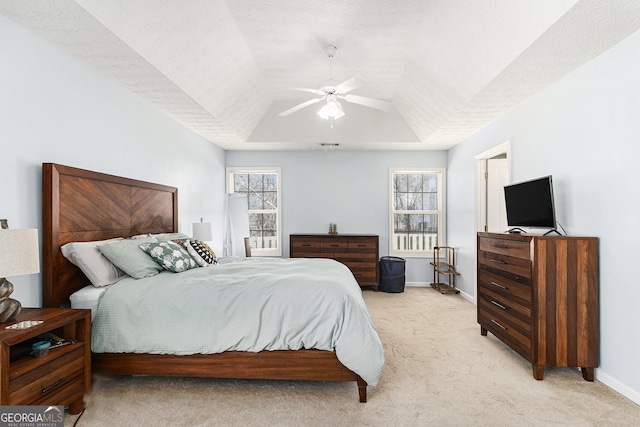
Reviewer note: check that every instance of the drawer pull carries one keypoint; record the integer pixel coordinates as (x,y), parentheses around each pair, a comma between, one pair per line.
(499,285)
(498,305)
(499,325)
(54,385)
(497,261)
(306,245)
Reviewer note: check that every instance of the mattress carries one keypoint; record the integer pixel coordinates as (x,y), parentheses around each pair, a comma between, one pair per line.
(87,298)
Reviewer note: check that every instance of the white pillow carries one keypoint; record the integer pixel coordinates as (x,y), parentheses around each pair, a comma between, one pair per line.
(98,269)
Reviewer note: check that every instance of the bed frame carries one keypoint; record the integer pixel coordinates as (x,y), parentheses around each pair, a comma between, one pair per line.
(79,205)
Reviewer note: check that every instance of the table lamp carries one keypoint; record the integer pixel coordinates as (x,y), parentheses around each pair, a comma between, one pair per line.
(19,256)
(202,231)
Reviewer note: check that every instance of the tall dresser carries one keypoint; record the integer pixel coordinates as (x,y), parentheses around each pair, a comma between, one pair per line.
(539,295)
(359,252)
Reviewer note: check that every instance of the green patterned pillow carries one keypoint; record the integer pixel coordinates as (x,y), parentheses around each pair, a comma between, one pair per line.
(169,255)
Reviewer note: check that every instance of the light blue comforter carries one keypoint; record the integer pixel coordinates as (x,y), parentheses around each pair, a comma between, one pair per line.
(251,304)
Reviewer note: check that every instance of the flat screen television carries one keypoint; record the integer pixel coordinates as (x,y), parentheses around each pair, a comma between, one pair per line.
(530,204)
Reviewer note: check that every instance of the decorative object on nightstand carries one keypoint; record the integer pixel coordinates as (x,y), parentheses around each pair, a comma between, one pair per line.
(19,256)
(202,231)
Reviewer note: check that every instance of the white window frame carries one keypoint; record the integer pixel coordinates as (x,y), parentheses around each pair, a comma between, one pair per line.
(262,170)
(441,211)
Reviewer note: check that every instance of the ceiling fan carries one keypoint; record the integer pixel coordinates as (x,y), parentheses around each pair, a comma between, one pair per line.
(331,91)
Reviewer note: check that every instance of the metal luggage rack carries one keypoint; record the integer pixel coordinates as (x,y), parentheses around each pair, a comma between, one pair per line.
(444,263)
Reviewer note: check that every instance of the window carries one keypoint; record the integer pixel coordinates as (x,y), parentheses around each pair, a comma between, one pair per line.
(262,187)
(417,211)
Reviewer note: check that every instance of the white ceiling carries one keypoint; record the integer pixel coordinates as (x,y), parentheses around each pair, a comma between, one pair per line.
(225,69)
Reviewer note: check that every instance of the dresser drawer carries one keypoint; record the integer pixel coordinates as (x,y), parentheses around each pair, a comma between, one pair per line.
(512,312)
(506,320)
(305,248)
(305,244)
(362,245)
(334,244)
(48,380)
(509,289)
(514,268)
(512,248)
(364,272)
(505,331)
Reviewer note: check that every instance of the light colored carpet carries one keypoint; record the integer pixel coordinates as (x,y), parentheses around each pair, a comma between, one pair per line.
(439,371)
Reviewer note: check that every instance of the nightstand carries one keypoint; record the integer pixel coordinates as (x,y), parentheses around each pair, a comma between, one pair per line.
(62,376)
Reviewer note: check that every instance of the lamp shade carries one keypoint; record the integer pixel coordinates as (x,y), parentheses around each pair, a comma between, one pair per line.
(202,231)
(332,109)
(19,253)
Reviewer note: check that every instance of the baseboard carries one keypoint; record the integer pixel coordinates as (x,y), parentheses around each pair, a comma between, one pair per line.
(616,385)
(463,294)
(417,284)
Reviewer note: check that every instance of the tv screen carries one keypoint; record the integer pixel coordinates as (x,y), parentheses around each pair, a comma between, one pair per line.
(530,203)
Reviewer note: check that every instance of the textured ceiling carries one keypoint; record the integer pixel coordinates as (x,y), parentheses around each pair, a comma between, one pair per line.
(225,69)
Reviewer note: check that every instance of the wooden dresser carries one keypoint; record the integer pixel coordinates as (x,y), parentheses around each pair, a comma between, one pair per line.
(359,252)
(539,295)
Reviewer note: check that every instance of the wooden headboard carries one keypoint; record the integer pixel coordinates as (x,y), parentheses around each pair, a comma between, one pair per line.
(79,206)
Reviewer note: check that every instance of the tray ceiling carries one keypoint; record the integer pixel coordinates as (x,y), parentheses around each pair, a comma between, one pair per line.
(225,69)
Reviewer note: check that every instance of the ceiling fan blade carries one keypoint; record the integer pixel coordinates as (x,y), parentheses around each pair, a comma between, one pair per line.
(370,102)
(300,106)
(351,84)
(304,89)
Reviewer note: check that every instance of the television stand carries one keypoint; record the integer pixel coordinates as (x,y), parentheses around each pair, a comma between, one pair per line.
(553,230)
(516,230)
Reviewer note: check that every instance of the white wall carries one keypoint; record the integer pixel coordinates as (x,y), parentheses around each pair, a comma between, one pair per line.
(584,131)
(53,109)
(349,188)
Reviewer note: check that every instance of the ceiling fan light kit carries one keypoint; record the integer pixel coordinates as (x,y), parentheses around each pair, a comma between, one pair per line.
(332,109)
(331,90)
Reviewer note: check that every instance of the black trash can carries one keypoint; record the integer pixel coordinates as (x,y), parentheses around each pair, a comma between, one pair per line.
(391,274)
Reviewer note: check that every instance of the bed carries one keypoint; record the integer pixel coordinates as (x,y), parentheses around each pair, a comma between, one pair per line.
(83,206)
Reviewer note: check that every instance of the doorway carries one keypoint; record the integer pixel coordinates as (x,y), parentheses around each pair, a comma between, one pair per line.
(496,178)
(493,172)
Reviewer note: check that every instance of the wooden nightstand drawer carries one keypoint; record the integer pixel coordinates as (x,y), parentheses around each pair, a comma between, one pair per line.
(47,378)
